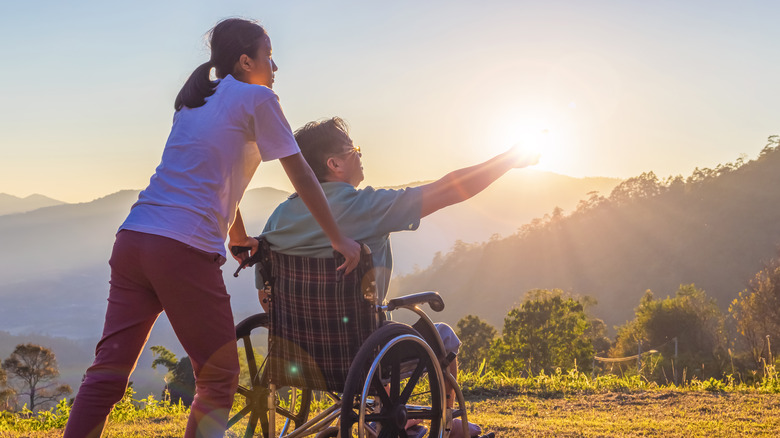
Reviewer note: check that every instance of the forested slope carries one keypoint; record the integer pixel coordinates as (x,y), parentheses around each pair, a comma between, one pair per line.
(714,228)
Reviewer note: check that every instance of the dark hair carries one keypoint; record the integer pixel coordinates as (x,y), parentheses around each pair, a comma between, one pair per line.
(319,141)
(228,40)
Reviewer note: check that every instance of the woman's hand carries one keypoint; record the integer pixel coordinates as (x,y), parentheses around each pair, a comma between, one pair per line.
(246,241)
(350,250)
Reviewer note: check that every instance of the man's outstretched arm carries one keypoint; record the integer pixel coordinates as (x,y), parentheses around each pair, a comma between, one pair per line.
(461,184)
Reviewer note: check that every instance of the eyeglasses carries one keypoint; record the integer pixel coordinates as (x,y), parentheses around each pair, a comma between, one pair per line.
(354,149)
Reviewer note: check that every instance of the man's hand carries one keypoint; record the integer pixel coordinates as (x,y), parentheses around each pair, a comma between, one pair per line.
(351,251)
(249,242)
(523,156)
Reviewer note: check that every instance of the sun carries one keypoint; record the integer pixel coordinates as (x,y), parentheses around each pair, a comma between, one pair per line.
(533,135)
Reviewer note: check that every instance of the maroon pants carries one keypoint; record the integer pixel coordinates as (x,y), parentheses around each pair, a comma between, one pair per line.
(150,274)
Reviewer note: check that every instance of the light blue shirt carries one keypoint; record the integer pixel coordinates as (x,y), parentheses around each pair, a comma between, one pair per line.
(367,215)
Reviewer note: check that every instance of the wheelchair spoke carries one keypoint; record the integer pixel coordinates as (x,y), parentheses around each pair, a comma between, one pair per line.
(412,383)
(370,418)
(395,379)
(381,392)
(420,414)
(243,390)
(252,425)
(250,360)
(239,415)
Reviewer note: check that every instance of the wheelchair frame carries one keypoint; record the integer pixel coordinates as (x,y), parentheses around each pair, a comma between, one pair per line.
(383,346)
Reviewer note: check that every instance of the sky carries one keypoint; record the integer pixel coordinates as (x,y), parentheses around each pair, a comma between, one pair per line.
(605,88)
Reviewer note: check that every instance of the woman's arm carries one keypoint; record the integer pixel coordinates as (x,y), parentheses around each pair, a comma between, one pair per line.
(461,184)
(310,192)
(238,237)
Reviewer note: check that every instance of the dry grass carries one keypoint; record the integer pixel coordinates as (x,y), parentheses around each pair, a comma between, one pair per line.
(662,413)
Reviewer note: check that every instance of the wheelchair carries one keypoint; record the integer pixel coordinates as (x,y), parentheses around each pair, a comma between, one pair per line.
(334,365)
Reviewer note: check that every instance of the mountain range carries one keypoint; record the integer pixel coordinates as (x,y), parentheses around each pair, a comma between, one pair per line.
(14,204)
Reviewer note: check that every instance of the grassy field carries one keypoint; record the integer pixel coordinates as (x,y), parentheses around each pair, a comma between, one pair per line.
(663,413)
(660,413)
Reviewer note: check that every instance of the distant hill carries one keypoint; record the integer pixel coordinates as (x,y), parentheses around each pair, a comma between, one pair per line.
(714,229)
(54,263)
(54,279)
(12,204)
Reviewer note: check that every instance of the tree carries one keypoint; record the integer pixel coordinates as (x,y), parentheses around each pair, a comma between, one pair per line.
(772,144)
(597,333)
(180,379)
(164,357)
(547,331)
(691,317)
(475,336)
(594,201)
(645,185)
(6,393)
(757,310)
(36,368)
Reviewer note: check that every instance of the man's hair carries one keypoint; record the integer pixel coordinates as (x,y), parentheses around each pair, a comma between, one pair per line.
(321,140)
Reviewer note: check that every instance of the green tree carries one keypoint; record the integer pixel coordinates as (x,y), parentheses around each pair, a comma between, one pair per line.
(597,333)
(476,336)
(35,367)
(6,393)
(757,311)
(180,379)
(691,317)
(547,331)
(164,357)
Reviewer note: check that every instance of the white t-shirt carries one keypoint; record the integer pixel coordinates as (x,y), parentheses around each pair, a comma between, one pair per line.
(209,159)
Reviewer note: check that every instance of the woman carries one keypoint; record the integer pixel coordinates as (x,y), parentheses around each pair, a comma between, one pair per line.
(169,250)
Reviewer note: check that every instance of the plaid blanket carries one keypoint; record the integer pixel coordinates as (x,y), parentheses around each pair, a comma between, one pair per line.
(318,320)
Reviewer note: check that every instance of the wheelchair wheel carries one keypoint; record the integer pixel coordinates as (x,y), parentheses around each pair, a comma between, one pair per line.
(393,381)
(292,403)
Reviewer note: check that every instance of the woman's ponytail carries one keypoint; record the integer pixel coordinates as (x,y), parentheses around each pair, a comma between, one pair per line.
(198,87)
(229,39)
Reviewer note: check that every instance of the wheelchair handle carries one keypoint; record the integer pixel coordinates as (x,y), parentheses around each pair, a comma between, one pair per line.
(432,298)
(249,261)
(236,250)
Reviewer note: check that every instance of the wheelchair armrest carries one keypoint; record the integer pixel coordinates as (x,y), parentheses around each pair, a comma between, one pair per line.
(432,298)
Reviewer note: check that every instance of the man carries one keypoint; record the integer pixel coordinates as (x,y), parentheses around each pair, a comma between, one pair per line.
(370,215)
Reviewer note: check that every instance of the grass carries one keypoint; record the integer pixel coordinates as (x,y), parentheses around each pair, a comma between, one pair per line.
(666,413)
(663,413)
(560,404)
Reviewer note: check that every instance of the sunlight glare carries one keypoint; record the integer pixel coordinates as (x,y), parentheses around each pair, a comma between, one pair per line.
(531,136)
